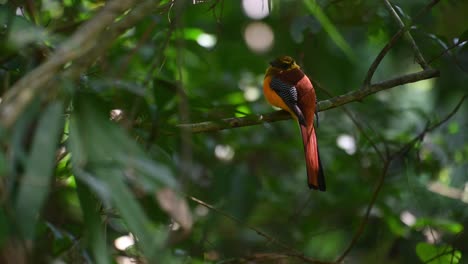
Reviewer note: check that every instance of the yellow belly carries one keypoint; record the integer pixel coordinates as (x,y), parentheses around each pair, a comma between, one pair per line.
(273,98)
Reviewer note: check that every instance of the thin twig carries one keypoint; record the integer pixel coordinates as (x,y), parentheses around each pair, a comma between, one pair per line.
(383,175)
(363,223)
(417,52)
(233,218)
(443,52)
(391,43)
(381,55)
(426,9)
(430,128)
(356,95)
(446,251)
(294,252)
(356,123)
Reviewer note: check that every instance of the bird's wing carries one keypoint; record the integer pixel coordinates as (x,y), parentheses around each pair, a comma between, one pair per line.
(288,93)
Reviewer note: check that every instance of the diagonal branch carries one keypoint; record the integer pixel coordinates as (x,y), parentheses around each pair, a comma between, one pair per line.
(363,223)
(83,47)
(417,52)
(392,43)
(292,252)
(83,40)
(356,95)
(384,173)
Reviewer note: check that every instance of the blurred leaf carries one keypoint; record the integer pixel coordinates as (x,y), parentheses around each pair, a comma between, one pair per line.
(463,36)
(396,226)
(331,30)
(192,33)
(95,237)
(176,207)
(21,31)
(104,85)
(152,171)
(453,127)
(451,19)
(35,184)
(303,23)
(164,92)
(444,224)
(122,162)
(429,253)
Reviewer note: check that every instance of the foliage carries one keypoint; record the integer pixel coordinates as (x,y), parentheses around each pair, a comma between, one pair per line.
(100,100)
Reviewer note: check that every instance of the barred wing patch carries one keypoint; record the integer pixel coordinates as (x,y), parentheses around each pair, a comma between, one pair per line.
(289,95)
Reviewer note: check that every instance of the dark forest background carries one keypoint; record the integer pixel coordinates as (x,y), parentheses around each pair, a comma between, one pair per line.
(136,131)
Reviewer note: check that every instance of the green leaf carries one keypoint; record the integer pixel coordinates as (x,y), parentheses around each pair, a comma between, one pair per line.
(21,31)
(453,127)
(192,33)
(35,184)
(444,224)
(94,236)
(429,253)
(106,160)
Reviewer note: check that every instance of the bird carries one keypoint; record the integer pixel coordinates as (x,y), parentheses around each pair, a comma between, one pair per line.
(286,86)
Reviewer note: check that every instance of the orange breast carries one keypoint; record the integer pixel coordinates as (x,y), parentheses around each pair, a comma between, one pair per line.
(272,97)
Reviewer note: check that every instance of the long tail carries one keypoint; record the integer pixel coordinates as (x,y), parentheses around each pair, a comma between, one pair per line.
(315,177)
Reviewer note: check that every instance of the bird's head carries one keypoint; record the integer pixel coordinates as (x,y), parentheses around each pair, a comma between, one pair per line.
(282,64)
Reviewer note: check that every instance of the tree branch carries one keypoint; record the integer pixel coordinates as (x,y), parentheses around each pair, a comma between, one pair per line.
(356,95)
(363,223)
(292,252)
(106,38)
(417,52)
(23,91)
(391,43)
(86,40)
(384,173)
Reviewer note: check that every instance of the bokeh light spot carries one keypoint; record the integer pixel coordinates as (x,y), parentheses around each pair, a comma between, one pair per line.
(408,218)
(256,9)
(346,143)
(124,242)
(251,93)
(259,37)
(224,152)
(206,40)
